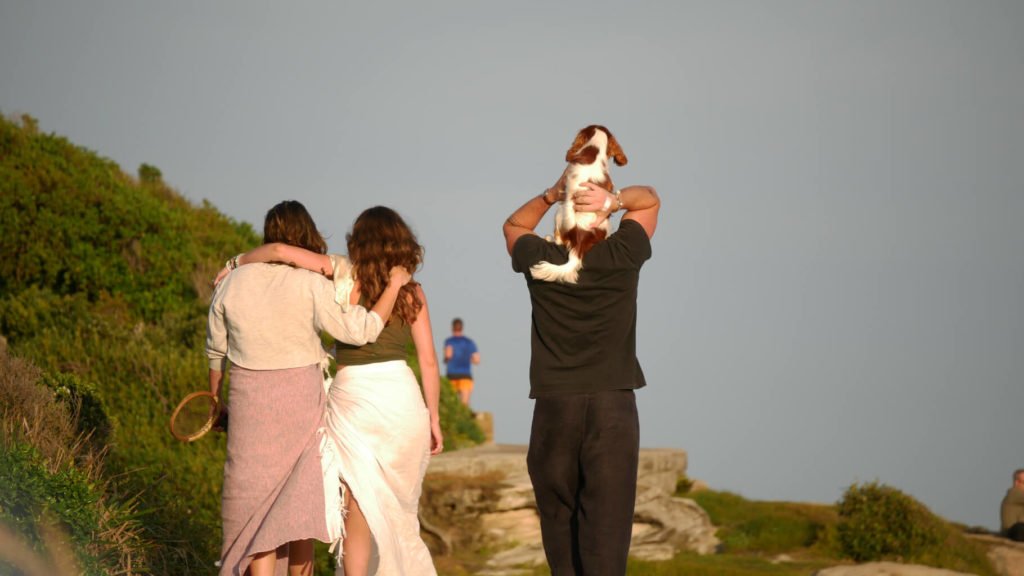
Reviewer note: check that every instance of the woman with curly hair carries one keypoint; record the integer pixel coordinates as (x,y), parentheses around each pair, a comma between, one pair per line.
(384,434)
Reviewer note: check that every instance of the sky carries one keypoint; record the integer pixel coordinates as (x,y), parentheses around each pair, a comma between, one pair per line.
(836,292)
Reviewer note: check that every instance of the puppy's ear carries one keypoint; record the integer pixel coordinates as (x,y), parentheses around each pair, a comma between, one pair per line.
(615,151)
(582,137)
(585,156)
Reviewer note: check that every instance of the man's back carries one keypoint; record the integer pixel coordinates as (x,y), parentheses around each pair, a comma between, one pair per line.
(584,334)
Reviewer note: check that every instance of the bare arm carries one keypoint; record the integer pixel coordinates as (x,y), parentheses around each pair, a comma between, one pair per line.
(216,384)
(448,352)
(357,325)
(475,358)
(423,338)
(398,277)
(526,218)
(641,203)
(283,253)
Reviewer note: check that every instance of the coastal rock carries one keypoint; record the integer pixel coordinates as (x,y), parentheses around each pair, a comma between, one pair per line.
(662,526)
(887,569)
(1007,556)
(483,496)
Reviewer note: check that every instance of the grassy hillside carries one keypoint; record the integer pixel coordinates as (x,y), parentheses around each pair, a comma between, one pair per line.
(104,288)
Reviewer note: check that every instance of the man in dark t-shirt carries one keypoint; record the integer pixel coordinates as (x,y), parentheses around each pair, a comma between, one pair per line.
(585,438)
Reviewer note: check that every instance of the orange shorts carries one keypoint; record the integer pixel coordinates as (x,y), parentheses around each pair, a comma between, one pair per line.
(461,384)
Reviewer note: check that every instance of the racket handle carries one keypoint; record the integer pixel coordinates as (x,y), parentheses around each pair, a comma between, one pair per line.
(221,424)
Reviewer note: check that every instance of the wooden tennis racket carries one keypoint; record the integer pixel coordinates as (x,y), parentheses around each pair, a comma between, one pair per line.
(197,414)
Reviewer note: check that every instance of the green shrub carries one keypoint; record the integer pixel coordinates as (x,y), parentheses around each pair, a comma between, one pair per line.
(457,424)
(29,495)
(878,522)
(683,485)
(149,174)
(83,400)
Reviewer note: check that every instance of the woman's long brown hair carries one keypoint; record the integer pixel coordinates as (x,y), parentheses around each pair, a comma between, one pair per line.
(379,240)
(290,223)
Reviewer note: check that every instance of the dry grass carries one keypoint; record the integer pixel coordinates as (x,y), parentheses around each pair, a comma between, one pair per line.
(31,414)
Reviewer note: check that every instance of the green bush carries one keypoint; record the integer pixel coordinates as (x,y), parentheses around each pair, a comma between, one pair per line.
(457,424)
(149,174)
(878,522)
(83,400)
(29,495)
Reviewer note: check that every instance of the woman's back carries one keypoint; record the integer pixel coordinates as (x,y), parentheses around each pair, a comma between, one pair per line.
(390,345)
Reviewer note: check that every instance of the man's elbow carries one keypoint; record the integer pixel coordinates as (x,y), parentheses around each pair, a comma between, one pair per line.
(654,196)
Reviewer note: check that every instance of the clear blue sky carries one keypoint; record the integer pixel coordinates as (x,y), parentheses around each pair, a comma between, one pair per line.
(837,287)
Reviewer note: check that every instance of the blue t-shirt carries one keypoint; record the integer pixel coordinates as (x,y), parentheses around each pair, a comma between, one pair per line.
(462,354)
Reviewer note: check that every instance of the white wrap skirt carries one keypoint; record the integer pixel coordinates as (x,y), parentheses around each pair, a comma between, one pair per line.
(381,430)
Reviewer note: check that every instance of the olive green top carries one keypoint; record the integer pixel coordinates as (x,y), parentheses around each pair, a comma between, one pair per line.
(390,345)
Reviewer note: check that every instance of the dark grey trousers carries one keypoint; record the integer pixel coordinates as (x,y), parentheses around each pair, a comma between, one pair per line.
(583,457)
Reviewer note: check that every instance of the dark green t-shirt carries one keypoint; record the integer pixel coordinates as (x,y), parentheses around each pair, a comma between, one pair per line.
(584,335)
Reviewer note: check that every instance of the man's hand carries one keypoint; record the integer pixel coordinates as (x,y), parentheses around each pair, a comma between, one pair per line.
(592,198)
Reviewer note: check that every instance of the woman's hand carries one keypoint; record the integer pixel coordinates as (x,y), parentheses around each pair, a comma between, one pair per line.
(220,275)
(399,276)
(592,198)
(436,439)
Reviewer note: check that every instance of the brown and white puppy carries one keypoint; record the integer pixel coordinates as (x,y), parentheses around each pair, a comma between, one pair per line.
(588,162)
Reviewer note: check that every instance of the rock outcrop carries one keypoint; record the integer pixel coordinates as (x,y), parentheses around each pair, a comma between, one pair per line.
(887,569)
(483,497)
(1007,556)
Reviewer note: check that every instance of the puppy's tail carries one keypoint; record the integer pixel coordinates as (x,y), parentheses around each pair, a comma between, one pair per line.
(567,273)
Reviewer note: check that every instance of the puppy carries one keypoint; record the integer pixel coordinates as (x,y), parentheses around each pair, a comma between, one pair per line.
(588,162)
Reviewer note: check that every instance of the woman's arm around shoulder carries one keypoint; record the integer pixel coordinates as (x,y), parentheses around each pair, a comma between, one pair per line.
(282,253)
(356,325)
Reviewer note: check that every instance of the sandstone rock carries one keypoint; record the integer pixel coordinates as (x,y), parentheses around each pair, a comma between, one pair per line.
(520,525)
(504,514)
(506,563)
(887,569)
(698,486)
(680,525)
(485,420)
(1007,556)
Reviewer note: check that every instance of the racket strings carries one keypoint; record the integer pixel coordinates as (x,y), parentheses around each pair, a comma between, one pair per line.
(194,417)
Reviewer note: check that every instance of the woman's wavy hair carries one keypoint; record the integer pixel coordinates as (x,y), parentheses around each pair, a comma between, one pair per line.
(289,222)
(379,240)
